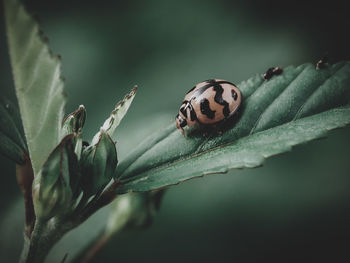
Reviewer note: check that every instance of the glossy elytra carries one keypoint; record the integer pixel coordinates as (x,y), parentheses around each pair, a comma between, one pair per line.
(208,103)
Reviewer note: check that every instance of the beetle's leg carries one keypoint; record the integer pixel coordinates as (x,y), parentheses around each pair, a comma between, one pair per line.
(219,132)
(218,129)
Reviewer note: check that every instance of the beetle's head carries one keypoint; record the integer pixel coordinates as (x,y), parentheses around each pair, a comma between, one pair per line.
(180,122)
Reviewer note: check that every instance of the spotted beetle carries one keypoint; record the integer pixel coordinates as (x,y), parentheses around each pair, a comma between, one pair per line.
(208,103)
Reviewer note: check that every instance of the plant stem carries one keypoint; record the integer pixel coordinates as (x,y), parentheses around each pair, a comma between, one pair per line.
(30,250)
(95,248)
(105,198)
(45,234)
(25,176)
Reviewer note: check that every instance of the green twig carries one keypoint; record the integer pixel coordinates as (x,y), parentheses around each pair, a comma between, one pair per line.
(45,234)
(95,248)
(25,176)
(105,198)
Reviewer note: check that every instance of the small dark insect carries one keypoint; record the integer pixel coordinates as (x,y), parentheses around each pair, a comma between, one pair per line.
(274,71)
(322,62)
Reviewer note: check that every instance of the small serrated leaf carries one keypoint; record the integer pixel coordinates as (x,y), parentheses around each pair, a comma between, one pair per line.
(11,150)
(295,107)
(12,142)
(9,128)
(38,83)
(12,112)
(117,115)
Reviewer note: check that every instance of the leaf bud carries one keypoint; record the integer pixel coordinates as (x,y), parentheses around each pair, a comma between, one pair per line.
(133,210)
(98,163)
(56,183)
(74,122)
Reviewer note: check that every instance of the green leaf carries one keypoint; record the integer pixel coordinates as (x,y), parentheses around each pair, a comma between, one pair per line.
(12,142)
(73,124)
(98,164)
(113,121)
(56,183)
(10,123)
(11,150)
(38,83)
(300,105)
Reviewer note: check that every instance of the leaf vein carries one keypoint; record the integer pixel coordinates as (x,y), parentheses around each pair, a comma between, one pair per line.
(274,100)
(297,115)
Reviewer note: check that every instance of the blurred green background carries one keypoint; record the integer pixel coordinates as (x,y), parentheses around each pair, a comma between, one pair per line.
(294,209)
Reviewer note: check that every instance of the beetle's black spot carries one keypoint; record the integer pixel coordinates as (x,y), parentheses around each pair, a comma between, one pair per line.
(211,83)
(183,123)
(218,99)
(191,89)
(205,109)
(234,94)
(193,114)
(183,111)
(183,108)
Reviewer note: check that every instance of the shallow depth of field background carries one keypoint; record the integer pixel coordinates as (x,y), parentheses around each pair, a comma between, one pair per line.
(296,208)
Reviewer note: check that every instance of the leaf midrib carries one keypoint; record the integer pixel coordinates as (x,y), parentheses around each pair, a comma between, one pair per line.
(164,137)
(198,151)
(136,177)
(297,115)
(274,101)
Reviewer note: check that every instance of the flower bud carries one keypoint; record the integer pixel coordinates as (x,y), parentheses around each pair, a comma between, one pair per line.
(98,164)
(56,183)
(74,122)
(133,210)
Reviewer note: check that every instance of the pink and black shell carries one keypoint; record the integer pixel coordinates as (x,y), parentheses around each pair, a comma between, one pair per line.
(208,103)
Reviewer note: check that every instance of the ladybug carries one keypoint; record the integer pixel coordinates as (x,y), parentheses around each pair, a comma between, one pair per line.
(208,104)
